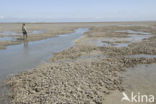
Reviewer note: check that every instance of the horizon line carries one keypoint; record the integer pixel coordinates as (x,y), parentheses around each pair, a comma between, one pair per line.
(86,21)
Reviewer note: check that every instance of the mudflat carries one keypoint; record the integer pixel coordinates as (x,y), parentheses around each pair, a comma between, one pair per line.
(11,33)
(90,70)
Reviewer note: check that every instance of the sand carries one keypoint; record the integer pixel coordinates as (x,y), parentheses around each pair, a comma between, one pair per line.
(86,73)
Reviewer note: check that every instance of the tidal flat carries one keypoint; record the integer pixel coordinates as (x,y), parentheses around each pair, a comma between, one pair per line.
(87,73)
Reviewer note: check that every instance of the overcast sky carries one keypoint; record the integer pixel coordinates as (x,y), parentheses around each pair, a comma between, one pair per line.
(76,10)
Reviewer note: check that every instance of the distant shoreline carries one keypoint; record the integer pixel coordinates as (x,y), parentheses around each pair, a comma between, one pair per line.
(80,22)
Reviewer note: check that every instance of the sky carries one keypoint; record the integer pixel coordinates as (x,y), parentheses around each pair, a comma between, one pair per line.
(77,10)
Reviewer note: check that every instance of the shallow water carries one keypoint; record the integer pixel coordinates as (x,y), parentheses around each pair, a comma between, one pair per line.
(132,38)
(37,32)
(12,36)
(23,57)
(7,39)
(101,43)
(10,33)
(15,33)
(141,56)
(132,25)
(134,32)
(141,80)
(19,58)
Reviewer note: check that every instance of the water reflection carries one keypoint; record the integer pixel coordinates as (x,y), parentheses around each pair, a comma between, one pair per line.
(25,44)
(26,47)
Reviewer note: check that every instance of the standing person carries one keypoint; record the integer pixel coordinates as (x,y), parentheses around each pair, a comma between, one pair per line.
(24,31)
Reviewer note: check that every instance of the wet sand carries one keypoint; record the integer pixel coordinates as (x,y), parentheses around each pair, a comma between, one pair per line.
(139,79)
(86,73)
(11,33)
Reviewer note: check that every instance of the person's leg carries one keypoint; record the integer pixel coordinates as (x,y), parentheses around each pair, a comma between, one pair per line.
(23,35)
(26,35)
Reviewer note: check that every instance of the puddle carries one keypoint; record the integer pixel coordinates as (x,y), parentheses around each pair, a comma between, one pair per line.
(137,38)
(19,58)
(121,45)
(37,32)
(134,32)
(113,45)
(132,38)
(100,43)
(118,45)
(131,25)
(141,56)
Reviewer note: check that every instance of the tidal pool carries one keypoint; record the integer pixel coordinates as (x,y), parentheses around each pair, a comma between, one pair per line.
(133,36)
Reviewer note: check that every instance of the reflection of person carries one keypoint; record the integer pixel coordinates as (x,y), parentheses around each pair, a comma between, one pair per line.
(26,47)
(24,31)
(25,44)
